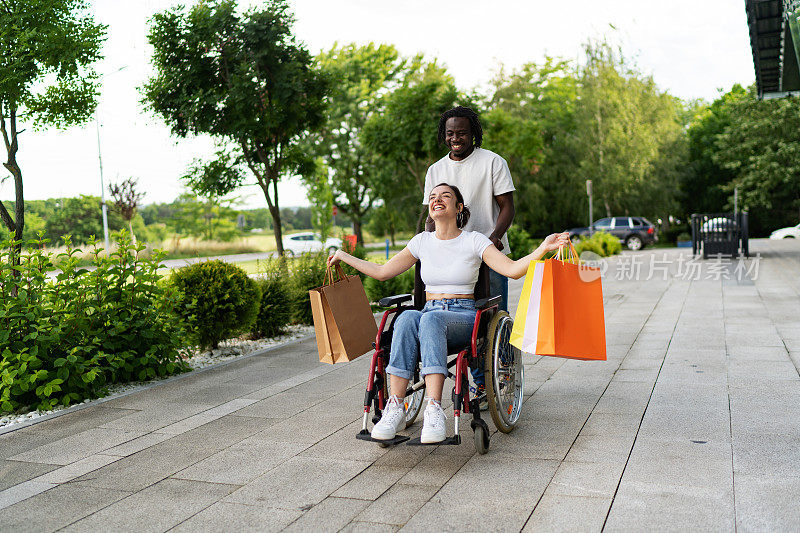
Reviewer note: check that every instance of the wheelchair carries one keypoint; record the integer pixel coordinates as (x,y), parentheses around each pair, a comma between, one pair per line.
(489,349)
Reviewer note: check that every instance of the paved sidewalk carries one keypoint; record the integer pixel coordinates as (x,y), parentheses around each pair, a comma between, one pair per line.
(692,423)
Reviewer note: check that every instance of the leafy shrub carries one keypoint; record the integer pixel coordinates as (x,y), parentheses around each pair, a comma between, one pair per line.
(402,284)
(307,272)
(520,242)
(64,340)
(275,310)
(220,301)
(683,237)
(602,243)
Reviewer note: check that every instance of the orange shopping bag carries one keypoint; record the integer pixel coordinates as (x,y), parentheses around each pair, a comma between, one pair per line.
(560,312)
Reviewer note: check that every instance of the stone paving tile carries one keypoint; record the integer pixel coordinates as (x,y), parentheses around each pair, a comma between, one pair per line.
(767,503)
(600,448)
(282,405)
(371,483)
(75,447)
(15,472)
(241,463)
(642,506)
(311,480)
(562,512)
(48,431)
(368,527)
(343,443)
(144,468)
(591,479)
(77,469)
(157,417)
(766,455)
(328,516)
(225,516)
(56,508)
(680,463)
(397,505)
(434,470)
(156,508)
(137,444)
(22,491)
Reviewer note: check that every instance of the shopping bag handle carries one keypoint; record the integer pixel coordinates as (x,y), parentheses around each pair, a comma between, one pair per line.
(573,254)
(332,277)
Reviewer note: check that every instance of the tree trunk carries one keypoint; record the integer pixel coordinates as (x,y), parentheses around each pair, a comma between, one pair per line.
(357,230)
(130,225)
(608,207)
(18,224)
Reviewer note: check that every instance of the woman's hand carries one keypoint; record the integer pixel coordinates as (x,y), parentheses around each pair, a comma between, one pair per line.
(555,241)
(334,259)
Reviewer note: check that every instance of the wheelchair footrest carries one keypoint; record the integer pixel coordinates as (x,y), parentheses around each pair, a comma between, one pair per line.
(455,440)
(365,435)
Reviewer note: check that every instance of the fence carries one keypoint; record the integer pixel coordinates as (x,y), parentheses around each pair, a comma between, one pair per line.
(716,234)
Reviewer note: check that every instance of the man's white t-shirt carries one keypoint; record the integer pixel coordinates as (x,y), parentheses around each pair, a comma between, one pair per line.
(480,177)
(449,266)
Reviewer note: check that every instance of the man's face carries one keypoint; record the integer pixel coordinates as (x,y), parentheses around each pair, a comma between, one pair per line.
(458,137)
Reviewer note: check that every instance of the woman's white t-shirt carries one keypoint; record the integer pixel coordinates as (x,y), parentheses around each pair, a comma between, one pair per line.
(449,266)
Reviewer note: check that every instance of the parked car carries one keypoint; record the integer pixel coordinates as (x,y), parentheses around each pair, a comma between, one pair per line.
(308,241)
(792,232)
(633,232)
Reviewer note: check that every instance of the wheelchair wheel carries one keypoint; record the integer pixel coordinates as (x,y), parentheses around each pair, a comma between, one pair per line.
(505,374)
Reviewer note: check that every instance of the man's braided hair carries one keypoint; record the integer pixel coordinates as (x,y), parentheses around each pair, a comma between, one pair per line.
(474,122)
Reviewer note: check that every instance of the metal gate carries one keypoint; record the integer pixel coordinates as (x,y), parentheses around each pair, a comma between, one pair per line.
(716,234)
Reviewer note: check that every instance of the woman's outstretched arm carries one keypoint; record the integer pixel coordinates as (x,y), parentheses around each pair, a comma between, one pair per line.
(395,266)
(501,264)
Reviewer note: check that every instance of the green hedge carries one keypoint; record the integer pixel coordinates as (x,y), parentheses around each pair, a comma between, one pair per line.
(602,243)
(65,339)
(220,301)
(402,284)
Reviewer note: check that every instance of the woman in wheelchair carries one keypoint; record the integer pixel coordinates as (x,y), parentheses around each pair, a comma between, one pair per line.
(450,259)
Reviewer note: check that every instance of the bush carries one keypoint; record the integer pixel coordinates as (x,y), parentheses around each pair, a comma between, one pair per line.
(275,310)
(308,272)
(520,242)
(65,340)
(602,243)
(220,301)
(402,284)
(683,237)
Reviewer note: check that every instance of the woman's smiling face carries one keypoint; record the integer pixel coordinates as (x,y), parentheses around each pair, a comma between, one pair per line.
(442,203)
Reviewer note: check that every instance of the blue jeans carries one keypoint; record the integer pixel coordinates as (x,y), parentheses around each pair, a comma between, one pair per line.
(442,327)
(498,285)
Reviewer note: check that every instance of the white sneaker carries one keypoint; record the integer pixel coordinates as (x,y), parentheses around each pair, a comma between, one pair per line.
(433,424)
(393,420)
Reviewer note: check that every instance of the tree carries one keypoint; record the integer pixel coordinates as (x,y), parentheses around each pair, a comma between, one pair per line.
(625,127)
(404,136)
(358,75)
(761,149)
(703,186)
(530,122)
(126,200)
(46,78)
(321,196)
(81,218)
(242,79)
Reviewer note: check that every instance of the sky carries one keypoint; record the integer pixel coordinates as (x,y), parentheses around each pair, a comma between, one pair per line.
(692,49)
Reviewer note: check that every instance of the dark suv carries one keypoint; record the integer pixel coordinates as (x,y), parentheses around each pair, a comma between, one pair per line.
(633,232)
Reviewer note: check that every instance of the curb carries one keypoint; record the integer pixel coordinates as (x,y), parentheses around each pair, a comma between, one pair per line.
(98,401)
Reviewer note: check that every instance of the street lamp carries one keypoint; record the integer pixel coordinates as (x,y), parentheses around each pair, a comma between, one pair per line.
(100,160)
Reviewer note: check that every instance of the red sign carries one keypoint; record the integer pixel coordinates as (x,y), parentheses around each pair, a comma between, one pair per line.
(335,210)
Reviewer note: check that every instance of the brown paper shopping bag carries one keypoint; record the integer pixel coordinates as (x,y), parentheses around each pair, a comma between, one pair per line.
(343,321)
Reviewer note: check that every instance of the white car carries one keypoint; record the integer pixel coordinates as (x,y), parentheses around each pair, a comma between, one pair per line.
(792,232)
(299,243)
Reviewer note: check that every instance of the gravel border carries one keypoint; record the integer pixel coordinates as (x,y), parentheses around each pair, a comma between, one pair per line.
(203,362)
